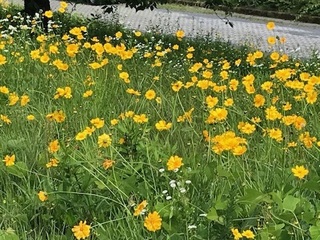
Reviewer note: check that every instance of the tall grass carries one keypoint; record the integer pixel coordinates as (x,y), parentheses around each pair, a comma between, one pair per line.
(220,141)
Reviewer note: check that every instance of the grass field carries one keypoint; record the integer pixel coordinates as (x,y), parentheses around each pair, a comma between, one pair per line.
(141,136)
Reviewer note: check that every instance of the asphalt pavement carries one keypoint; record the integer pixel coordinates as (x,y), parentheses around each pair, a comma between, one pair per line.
(302,39)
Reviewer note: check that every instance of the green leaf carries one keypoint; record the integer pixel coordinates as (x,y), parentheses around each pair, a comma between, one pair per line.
(253,196)
(101,185)
(213,215)
(8,234)
(221,204)
(277,198)
(315,232)
(19,169)
(312,185)
(290,203)
(16,143)
(164,210)
(222,172)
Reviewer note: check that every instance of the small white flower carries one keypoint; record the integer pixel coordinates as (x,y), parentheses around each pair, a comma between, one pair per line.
(172,181)
(182,190)
(164,191)
(202,215)
(192,226)
(168,197)
(188,181)
(161,170)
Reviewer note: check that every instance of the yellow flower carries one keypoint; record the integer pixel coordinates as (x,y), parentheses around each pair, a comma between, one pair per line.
(283,40)
(9,160)
(233,84)
(271,40)
(62,10)
(299,171)
(45,58)
(272,113)
(228,102)
(48,14)
(275,133)
(13,98)
(142,118)
(81,135)
(270,25)
(186,116)
(104,140)
(217,115)
(180,34)
(258,54)
(211,101)
(52,163)
(114,122)
(118,34)
(87,93)
(287,106)
(60,65)
(137,33)
(30,117)
(42,196)
(267,86)
(139,209)
(299,122)
(174,163)
(81,231)
(97,122)
(107,163)
(95,65)
(153,221)
(246,128)
(236,234)
(63,4)
(5,119)
(204,84)
(4,90)
(248,234)
(228,141)
(3,59)
(307,139)
(72,49)
(259,100)
(53,49)
(124,76)
(75,31)
(275,56)
(189,56)
(57,116)
(163,125)
(150,94)
(54,146)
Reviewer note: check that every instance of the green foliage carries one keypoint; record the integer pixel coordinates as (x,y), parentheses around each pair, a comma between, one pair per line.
(205,198)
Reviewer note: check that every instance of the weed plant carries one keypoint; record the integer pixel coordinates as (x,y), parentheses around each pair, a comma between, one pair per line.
(133,135)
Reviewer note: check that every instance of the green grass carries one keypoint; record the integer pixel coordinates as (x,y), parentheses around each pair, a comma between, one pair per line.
(220,185)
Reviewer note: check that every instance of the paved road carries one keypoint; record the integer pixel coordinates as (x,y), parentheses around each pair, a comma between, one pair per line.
(302,38)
